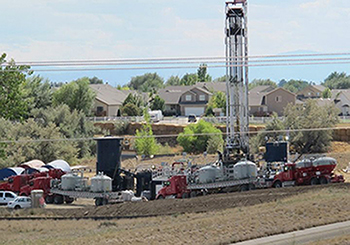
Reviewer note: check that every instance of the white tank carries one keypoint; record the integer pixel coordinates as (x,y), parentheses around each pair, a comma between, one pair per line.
(101,183)
(69,181)
(245,169)
(208,174)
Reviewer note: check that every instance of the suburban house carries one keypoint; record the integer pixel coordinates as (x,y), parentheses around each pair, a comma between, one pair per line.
(185,100)
(311,92)
(109,99)
(341,98)
(263,100)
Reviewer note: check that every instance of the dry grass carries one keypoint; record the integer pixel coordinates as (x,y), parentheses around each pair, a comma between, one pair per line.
(220,227)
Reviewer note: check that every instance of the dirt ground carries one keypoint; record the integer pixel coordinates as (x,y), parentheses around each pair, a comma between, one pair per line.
(221,226)
(214,202)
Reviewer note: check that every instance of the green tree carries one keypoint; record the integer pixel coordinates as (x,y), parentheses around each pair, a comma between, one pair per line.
(298,118)
(146,82)
(195,137)
(173,81)
(220,79)
(34,141)
(337,81)
(295,86)
(202,74)
(39,93)
(119,87)
(157,103)
(261,82)
(145,142)
(71,124)
(131,110)
(218,100)
(77,95)
(136,99)
(95,80)
(189,79)
(12,94)
(327,93)
(311,116)
(282,83)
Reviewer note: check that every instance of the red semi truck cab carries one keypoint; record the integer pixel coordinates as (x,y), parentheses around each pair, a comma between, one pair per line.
(308,172)
(175,187)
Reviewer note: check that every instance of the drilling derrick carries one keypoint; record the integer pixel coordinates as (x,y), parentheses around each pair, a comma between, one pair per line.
(237,123)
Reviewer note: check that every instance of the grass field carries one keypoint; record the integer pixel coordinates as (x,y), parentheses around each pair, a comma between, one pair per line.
(221,227)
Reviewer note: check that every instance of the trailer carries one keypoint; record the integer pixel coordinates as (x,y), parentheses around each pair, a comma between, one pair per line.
(100,198)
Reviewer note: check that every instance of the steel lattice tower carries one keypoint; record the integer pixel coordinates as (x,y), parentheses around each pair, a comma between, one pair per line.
(237,124)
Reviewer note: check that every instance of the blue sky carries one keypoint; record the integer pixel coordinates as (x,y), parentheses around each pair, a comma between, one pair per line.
(38,30)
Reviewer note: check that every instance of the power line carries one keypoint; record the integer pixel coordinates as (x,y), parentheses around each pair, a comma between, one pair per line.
(38,63)
(347,61)
(192,62)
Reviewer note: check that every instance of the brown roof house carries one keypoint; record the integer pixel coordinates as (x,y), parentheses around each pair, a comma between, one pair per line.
(311,92)
(185,100)
(108,99)
(264,100)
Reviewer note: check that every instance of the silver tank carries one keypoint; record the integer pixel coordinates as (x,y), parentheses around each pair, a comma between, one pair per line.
(245,169)
(69,181)
(208,174)
(101,183)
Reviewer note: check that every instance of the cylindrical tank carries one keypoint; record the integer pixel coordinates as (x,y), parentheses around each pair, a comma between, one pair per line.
(101,183)
(108,155)
(208,174)
(245,169)
(69,181)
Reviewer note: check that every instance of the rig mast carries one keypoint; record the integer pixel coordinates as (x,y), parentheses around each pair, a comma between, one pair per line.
(237,119)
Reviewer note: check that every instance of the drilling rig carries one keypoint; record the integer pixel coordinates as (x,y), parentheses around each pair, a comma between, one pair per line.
(237,119)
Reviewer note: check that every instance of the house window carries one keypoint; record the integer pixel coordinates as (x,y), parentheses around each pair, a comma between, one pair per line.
(188,97)
(99,109)
(278,98)
(202,97)
(318,94)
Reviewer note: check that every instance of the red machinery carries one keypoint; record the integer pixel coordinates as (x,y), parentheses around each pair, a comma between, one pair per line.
(23,185)
(175,187)
(308,172)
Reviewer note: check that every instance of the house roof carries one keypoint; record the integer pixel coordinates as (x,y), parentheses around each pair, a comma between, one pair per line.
(319,87)
(112,96)
(257,94)
(323,102)
(108,94)
(172,94)
(262,89)
(214,86)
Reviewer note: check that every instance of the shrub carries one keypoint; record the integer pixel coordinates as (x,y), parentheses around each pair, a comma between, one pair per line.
(196,137)
(145,143)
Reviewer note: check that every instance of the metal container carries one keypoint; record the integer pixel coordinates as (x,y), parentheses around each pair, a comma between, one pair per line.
(69,181)
(101,183)
(109,159)
(245,169)
(208,174)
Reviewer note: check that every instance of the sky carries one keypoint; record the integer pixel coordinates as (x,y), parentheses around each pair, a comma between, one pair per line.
(41,30)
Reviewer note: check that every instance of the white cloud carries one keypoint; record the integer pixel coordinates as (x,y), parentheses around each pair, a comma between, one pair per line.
(317,4)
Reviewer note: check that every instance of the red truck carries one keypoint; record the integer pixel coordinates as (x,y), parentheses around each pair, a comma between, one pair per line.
(23,185)
(307,172)
(175,187)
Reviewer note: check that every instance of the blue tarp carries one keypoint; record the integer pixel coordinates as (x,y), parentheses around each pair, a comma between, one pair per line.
(7,172)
